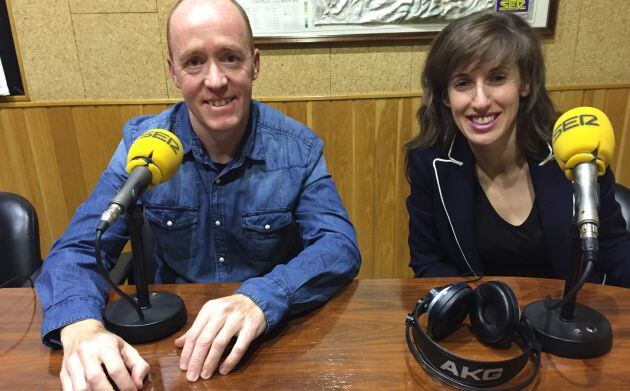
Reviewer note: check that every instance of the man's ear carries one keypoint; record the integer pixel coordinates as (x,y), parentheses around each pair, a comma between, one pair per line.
(256,68)
(171,72)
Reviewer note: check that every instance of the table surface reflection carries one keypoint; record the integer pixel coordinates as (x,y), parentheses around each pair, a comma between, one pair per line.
(355,341)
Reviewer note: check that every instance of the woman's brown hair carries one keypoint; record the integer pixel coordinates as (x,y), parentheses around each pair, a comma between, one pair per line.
(477,39)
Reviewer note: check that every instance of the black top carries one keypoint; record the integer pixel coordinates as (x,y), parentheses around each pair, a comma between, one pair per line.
(509,250)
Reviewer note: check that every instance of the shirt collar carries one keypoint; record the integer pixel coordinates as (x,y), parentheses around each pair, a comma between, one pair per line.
(182,127)
(252,147)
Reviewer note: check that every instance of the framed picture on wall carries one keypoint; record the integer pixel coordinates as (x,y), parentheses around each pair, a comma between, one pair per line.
(310,21)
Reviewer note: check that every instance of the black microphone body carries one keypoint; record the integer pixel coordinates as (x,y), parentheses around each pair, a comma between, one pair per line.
(137,182)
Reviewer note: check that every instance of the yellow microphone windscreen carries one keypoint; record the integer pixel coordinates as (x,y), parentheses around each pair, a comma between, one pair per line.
(583,134)
(159,150)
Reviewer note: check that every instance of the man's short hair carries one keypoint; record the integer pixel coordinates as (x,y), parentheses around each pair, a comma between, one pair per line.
(240,9)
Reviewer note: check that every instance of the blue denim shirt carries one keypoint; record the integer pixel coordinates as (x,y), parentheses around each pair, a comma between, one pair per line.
(271,218)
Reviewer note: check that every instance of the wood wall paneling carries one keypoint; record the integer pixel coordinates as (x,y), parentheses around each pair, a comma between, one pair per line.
(385,147)
(19,168)
(615,108)
(341,147)
(364,183)
(623,165)
(68,155)
(55,153)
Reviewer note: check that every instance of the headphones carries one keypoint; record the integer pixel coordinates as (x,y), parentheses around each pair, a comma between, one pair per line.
(495,318)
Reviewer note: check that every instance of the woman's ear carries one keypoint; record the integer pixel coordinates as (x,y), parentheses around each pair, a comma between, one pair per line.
(524,90)
(446,102)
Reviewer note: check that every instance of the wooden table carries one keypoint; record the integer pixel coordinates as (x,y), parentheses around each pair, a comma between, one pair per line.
(354,342)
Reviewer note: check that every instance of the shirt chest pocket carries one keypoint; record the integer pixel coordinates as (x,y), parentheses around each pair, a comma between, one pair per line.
(175,231)
(265,233)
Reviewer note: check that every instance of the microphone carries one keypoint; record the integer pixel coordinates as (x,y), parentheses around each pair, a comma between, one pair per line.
(152,159)
(583,143)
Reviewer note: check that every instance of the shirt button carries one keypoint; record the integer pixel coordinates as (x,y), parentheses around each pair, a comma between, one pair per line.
(169,223)
(267,227)
(221,259)
(217,181)
(217,223)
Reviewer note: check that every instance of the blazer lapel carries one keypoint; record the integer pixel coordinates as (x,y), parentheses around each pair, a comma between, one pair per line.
(456,183)
(554,200)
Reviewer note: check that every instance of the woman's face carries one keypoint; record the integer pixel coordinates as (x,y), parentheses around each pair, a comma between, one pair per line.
(484,101)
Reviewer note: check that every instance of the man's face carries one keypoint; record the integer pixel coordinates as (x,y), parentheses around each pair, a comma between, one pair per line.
(213,64)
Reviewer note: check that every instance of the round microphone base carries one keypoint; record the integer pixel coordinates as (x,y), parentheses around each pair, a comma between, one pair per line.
(588,335)
(166,316)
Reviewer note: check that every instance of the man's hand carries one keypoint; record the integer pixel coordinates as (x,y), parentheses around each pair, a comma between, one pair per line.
(87,345)
(218,321)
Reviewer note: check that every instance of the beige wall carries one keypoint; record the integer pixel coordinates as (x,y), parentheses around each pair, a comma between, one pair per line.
(115,49)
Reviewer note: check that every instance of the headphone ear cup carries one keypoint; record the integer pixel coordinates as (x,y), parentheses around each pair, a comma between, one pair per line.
(494,315)
(447,310)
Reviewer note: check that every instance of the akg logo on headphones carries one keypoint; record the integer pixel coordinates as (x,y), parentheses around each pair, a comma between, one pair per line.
(478,374)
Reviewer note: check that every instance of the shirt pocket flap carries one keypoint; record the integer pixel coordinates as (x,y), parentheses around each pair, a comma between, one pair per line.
(267,221)
(170,218)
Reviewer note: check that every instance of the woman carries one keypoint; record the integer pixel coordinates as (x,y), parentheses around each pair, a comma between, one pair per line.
(486,195)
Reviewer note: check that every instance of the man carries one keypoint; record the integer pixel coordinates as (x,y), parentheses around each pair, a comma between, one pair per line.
(251,202)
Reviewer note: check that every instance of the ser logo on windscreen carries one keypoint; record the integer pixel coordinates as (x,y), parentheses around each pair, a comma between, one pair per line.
(163,137)
(572,122)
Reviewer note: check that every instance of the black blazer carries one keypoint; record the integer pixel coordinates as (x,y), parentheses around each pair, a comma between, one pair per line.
(441,236)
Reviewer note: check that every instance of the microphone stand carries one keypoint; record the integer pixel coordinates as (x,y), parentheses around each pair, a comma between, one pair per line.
(163,313)
(573,330)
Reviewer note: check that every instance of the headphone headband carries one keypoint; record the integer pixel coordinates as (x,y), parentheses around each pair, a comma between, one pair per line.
(463,373)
